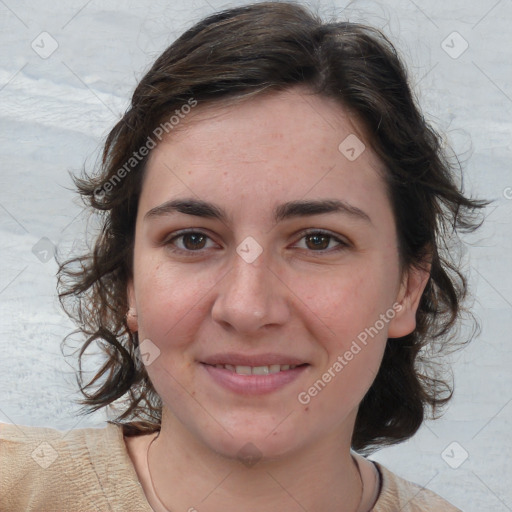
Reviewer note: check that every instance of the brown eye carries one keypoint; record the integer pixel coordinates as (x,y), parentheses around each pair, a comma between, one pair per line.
(318,241)
(189,241)
(193,241)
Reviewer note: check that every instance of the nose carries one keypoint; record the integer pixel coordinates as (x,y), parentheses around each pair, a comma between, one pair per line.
(251,297)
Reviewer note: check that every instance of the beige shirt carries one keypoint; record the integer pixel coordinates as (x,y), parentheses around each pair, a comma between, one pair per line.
(44,469)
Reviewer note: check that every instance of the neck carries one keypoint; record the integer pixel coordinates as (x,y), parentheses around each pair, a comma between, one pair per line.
(187,475)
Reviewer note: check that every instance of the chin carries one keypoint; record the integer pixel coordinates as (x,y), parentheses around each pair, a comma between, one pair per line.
(252,443)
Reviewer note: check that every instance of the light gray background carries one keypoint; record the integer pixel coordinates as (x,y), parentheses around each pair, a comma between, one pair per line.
(55,111)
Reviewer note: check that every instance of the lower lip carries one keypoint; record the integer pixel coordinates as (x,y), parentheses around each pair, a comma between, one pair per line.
(253,384)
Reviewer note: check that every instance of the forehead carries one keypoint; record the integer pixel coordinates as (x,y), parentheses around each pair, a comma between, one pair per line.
(289,144)
(284,119)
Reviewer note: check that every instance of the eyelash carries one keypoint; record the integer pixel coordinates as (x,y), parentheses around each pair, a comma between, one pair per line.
(342,244)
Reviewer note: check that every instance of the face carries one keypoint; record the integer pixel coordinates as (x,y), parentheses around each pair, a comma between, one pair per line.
(260,243)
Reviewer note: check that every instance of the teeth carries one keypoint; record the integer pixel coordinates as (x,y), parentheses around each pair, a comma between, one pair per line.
(257,370)
(243,370)
(261,370)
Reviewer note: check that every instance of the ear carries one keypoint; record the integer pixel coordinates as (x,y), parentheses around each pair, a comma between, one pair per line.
(409,296)
(131,316)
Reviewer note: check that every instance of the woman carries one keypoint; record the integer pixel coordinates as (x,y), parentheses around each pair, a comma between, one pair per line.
(267,283)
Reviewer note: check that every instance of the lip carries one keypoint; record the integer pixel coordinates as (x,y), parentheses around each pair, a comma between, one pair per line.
(253,384)
(251,360)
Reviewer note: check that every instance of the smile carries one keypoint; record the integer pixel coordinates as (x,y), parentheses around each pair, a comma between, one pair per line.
(253,380)
(257,370)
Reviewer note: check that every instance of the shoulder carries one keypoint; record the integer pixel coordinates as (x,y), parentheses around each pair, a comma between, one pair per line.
(79,469)
(399,494)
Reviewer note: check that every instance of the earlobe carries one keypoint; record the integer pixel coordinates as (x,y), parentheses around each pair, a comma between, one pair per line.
(409,296)
(131,320)
(131,315)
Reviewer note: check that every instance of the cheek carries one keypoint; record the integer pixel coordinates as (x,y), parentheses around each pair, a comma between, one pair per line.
(354,343)
(168,301)
(349,301)
(340,388)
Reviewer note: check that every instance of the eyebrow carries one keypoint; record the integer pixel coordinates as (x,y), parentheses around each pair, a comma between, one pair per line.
(289,210)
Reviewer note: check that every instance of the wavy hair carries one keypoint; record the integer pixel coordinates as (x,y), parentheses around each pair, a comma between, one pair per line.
(237,54)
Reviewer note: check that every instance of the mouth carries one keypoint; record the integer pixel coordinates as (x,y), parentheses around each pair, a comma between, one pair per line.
(257,370)
(235,374)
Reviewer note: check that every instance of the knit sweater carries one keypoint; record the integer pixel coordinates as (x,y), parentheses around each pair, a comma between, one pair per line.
(89,469)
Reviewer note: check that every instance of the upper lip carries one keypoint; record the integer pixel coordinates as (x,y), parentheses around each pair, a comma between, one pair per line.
(252,360)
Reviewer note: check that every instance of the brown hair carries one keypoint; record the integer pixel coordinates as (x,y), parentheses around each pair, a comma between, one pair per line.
(262,48)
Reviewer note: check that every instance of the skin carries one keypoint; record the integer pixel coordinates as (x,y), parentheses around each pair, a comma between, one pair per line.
(294,299)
